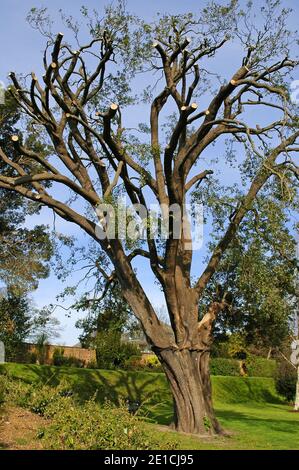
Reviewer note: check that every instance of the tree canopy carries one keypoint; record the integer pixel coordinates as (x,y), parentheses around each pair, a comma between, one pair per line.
(24,253)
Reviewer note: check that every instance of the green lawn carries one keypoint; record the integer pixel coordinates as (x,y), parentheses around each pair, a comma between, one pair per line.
(248,408)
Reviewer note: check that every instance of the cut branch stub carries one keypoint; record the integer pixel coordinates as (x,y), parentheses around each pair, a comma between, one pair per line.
(187,110)
(56,48)
(112,110)
(160,49)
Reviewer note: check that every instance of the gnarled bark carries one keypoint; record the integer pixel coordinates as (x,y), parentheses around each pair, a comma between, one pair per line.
(188,375)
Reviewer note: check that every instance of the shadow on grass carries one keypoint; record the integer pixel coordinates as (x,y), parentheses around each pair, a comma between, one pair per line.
(279,425)
(149,389)
(242,390)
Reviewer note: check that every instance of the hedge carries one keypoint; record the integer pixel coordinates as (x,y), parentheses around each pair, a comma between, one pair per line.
(222,366)
(253,365)
(260,367)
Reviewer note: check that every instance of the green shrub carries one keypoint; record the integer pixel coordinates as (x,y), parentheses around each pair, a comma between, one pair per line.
(32,357)
(111,351)
(80,426)
(36,397)
(222,366)
(144,364)
(60,360)
(236,347)
(92,365)
(285,381)
(220,349)
(91,427)
(260,367)
(58,357)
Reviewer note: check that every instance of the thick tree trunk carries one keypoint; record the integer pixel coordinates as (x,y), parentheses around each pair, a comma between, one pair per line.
(188,374)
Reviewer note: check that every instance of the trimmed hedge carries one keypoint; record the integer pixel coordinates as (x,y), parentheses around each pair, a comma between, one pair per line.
(253,366)
(151,389)
(222,366)
(260,367)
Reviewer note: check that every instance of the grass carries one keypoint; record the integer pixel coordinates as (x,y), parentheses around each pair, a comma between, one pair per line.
(248,408)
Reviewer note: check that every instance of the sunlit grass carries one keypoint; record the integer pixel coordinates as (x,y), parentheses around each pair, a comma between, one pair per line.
(250,410)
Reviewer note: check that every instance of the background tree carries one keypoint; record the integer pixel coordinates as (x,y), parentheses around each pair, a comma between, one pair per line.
(108,319)
(257,272)
(21,321)
(15,323)
(24,253)
(111,313)
(95,155)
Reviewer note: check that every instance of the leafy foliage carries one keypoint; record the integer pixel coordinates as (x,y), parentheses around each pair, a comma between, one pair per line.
(286,380)
(15,323)
(111,313)
(82,427)
(228,367)
(30,249)
(21,321)
(60,360)
(263,250)
(260,367)
(111,351)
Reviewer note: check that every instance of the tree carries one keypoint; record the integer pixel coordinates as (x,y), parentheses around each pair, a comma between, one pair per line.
(108,319)
(96,156)
(263,250)
(21,321)
(24,253)
(15,323)
(111,313)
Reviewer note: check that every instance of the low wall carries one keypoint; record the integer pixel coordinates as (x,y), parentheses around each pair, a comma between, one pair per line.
(85,355)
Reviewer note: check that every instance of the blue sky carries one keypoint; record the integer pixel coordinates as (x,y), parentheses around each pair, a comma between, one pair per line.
(21,51)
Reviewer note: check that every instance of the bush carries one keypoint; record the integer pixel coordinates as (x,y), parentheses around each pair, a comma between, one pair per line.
(58,357)
(221,366)
(152,362)
(91,427)
(32,357)
(286,380)
(36,397)
(236,347)
(80,426)
(260,367)
(253,366)
(147,363)
(60,360)
(112,352)
(92,365)
(220,349)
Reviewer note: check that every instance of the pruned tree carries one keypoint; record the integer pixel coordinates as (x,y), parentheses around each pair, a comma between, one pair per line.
(94,154)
